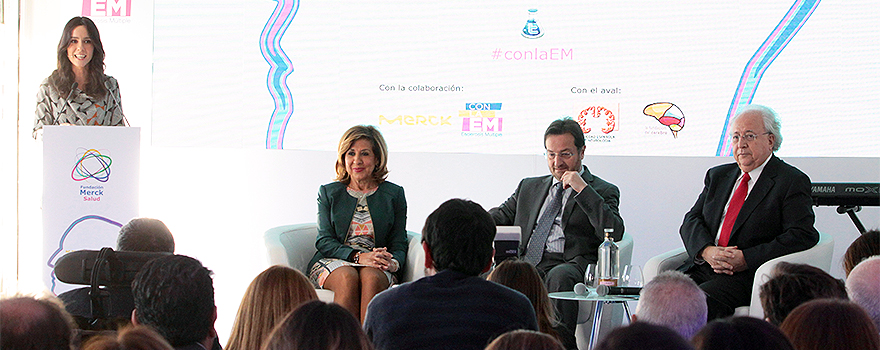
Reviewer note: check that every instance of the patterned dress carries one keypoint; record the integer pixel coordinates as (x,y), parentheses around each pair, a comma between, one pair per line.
(81,109)
(360,237)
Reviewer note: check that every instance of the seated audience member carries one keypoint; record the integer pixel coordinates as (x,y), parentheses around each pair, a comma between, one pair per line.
(740,333)
(863,247)
(672,299)
(317,325)
(830,324)
(525,340)
(863,285)
(455,308)
(791,285)
(643,336)
(129,338)
(27,323)
(175,295)
(523,277)
(138,235)
(273,294)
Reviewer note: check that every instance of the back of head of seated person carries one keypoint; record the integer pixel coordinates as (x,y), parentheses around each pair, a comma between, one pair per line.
(830,324)
(128,338)
(138,235)
(864,246)
(522,339)
(175,295)
(643,335)
(272,295)
(674,300)
(523,277)
(740,333)
(791,285)
(863,286)
(317,325)
(27,323)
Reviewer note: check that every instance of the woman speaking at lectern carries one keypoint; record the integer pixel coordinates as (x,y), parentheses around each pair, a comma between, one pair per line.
(78,92)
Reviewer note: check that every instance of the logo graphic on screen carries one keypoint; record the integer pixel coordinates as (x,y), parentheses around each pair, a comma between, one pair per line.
(598,117)
(531,29)
(91,165)
(413,120)
(667,114)
(66,246)
(479,119)
(106,8)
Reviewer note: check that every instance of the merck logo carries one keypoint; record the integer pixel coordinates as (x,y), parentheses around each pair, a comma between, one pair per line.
(106,8)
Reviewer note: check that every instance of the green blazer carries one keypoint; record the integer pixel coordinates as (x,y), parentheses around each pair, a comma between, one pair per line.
(336,208)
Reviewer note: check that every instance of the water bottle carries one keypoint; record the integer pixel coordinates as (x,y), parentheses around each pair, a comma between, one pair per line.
(607,268)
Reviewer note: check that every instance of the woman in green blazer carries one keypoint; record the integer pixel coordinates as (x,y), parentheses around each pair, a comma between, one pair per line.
(361,223)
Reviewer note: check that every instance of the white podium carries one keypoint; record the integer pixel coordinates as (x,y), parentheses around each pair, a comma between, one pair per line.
(90,188)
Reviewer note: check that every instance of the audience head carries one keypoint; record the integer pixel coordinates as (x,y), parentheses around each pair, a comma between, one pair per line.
(273,294)
(145,235)
(740,333)
(380,151)
(828,324)
(525,340)
(643,335)
(672,299)
(458,236)
(863,286)
(793,284)
(175,295)
(523,277)
(319,326)
(865,246)
(129,338)
(27,323)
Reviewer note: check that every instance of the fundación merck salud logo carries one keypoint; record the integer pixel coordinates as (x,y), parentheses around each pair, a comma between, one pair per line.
(91,165)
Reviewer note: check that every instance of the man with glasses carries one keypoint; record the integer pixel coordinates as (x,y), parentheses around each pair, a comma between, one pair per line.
(751,211)
(563,217)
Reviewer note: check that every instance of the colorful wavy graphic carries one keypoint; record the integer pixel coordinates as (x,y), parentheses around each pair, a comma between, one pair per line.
(787,28)
(51,262)
(80,172)
(280,68)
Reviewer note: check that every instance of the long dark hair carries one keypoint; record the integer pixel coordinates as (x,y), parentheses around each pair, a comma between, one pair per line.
(63,77)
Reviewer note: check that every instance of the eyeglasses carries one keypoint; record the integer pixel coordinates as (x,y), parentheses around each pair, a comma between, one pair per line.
(747,137)
(563,155)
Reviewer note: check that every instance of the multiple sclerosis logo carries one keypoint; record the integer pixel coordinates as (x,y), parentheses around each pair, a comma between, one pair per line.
(91,165)
(106,8)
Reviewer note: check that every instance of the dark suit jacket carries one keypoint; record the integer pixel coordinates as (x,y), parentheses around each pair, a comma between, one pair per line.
(776,219)
(584,217)
(336,208)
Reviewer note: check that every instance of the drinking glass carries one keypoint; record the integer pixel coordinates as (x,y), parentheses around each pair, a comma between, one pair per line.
(590,276)
(632,276)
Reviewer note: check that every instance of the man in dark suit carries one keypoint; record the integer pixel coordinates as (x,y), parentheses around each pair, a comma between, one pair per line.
(751,211)
(578,207)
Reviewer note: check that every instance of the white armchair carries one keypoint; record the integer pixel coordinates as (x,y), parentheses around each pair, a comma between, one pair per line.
(294,246)
(612,314)
(818,256)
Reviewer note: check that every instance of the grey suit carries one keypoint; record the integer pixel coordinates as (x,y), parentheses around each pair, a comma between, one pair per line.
(584,217)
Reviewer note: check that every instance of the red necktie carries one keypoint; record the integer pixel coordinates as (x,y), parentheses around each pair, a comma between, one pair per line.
(736,203)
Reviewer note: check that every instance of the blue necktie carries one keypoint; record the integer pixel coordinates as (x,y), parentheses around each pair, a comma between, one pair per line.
(535,250)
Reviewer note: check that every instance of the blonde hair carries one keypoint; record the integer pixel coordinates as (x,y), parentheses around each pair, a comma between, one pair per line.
(273,294)
(380,151)
(129,338)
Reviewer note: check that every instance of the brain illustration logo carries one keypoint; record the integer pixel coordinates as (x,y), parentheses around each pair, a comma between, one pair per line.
(91,165)
(608,120)
(667,114)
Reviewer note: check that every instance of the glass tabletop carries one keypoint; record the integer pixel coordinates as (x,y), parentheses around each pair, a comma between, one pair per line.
(592,296)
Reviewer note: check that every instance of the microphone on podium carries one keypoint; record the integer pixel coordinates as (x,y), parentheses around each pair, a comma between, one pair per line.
(66,102)
(609,290)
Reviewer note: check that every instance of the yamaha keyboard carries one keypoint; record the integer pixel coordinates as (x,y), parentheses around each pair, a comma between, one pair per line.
(843,193)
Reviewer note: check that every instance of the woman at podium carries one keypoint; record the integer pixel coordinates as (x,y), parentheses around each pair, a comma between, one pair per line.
(78,92)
